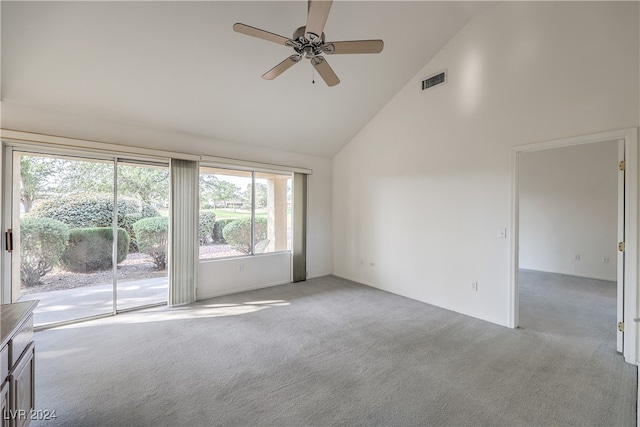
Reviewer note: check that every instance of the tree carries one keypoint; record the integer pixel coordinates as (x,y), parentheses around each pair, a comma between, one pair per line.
(151,185)
(226,191)
(86,177)
(208,183)
(261,195)
(42,176)
(37,178)
(148,184)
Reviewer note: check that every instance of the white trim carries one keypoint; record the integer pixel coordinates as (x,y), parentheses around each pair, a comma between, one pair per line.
(6,285)
(245,256)
(578,140)
(240,290)
(620,237)
(603,279)
(514,245)
(248,165)
(438,305)
(630,136)
(9,135)
(38,140)
(631,247)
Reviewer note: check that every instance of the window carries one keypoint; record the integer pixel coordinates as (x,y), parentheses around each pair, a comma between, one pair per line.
(243,212)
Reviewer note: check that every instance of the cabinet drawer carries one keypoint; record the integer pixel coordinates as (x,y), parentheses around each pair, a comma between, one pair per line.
(4,363)
(22,388)
(20,341)
(4,405)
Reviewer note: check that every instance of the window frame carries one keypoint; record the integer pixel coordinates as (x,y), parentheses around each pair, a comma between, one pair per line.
(253,171)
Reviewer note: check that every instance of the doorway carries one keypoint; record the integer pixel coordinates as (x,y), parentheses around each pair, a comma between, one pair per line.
(582,239)
(89,234)
(568,241)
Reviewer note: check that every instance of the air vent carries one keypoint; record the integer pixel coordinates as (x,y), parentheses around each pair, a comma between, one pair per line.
(436,79)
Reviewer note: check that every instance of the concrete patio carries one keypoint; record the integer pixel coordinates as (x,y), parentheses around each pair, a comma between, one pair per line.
(71,304)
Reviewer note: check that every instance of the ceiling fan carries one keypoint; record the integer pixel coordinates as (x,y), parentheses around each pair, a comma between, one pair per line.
(308,42)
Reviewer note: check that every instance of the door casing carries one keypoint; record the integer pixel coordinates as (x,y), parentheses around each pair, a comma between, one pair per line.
(628,283)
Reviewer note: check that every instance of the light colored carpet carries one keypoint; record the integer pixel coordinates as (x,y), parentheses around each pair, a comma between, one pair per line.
(329,352)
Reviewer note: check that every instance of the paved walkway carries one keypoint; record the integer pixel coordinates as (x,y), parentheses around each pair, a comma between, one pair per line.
(71,304)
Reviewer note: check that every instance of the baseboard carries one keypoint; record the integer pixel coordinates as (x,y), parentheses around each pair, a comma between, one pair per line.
(574,275)
(444,307)
(240,290)
(317,276)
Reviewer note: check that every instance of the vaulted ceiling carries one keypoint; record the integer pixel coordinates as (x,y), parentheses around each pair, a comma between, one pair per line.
(179,66)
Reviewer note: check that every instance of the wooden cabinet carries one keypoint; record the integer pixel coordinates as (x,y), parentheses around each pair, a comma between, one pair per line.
(17,364)
(4,405)
(22,388)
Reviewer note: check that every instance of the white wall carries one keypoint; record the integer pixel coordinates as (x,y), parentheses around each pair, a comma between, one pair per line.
(424,189)
(227,276)
(215,277)
(569,207)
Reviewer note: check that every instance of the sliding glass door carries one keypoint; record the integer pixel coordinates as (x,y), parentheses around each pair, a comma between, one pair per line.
(143,211)
(89,235)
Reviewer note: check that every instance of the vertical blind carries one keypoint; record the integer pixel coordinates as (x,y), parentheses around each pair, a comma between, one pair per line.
(183,240)
(299,272)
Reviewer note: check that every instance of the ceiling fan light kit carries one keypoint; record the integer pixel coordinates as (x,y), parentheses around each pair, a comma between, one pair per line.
(308,42)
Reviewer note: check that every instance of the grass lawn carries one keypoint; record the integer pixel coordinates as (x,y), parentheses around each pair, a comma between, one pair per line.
(230,214)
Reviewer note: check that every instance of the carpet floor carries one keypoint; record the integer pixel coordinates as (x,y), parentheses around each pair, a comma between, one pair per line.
(330,352)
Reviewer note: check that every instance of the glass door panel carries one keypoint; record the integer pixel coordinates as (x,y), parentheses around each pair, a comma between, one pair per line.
(143,212)
(62,222)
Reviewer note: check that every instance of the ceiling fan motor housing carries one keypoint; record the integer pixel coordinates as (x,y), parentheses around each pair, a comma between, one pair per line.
(307,47)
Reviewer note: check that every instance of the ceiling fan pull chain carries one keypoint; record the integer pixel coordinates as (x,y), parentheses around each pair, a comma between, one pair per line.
(313,76)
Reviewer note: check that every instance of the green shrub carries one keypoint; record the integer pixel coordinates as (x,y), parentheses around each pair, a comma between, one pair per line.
(127,224)
(206,222)
(238,233)
(91,210)
(151,238)
(95,210)
(146,210)
(219,225)
(90,249)
(42,242)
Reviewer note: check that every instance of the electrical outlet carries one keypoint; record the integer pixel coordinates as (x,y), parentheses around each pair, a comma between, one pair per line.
(605,260)
(576,257)
(241,268)
(474,286)
(502,233)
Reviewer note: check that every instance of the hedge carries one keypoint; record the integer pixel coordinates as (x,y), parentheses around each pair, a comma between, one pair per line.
(94,210)
(219,225)
(206,221)
(42,242)
(238,233)
(90,249)
(151,238)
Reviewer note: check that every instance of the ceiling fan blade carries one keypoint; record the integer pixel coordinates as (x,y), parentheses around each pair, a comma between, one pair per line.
(281,67)
(261,34)
(326,72)
(318,12)
(354,46)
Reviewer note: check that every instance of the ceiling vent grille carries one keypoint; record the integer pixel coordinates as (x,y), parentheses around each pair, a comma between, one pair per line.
(434,80)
